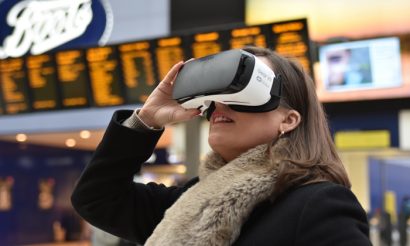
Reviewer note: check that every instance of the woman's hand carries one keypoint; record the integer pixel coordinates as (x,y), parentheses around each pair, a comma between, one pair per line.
(160,109)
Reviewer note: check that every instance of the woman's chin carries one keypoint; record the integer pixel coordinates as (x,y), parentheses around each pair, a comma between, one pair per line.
(214,143)
(217,142)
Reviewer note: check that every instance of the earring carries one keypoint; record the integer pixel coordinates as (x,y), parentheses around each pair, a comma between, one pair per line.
(281,134)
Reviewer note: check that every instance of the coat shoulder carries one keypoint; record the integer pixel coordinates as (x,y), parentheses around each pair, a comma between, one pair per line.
(305,214)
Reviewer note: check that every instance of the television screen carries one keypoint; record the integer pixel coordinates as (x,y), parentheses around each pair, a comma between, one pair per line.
(360,70)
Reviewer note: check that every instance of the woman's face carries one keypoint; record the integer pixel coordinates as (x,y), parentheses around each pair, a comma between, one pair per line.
(232,133)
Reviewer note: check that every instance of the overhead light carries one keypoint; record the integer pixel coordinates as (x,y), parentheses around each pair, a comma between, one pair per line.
(85,134)
(181,169)
(70,142)
(21,137)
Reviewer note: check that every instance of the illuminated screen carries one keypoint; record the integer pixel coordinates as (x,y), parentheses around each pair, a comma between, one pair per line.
(254,36)
(127,73)
(14,86)
(72,78)
(365,69)
(105,76)
(169,51)
(138,72)
(291,39)
(210,43)
(42,82)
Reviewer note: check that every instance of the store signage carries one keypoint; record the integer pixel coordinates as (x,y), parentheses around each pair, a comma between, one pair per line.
(363,139)
(38,26)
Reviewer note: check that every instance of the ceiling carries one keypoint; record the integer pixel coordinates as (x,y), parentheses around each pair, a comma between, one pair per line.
(83,140)
(58,139)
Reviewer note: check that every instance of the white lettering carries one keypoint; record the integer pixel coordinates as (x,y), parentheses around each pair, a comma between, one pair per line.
(44,25)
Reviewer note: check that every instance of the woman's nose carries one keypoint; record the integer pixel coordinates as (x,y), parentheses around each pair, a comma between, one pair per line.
(216,106)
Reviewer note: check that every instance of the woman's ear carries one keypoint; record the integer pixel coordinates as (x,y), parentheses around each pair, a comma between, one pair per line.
(290,121)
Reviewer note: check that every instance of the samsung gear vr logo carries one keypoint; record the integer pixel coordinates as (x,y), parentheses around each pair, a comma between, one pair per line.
(38,26)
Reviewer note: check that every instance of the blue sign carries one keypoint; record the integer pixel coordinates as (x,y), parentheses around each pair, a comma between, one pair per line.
(38,26)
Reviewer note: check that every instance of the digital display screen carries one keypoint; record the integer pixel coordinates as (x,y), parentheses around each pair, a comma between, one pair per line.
(138,71)
(127,73)
(360,69)
(203,44)
(168,51)
(361,64)
(73,78)
(290,39)
(42,80)
(254,36)
(14,86)
(105,76)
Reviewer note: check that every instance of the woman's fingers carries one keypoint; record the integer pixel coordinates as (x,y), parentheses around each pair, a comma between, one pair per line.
(172,73)
(182,114)
(189,60)
(160,109)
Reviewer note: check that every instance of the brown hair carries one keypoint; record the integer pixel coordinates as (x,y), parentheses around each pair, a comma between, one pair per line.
(311,154)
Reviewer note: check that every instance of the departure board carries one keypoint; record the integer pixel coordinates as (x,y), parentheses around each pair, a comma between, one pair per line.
(14,89)
(42,82)
(169,51)
(138,71)
(105,76)
(127,73)
(291,39)
(255,36)
(203,44)
(73,78)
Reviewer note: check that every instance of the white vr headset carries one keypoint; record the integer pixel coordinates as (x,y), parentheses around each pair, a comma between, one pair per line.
(235,77)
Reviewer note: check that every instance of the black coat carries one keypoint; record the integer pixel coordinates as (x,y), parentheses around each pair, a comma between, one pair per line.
(106,196)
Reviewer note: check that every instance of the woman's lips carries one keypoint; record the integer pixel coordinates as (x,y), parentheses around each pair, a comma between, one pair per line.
(220,118)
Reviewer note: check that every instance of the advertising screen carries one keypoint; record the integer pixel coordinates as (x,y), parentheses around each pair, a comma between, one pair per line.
(365,69)
(361,64)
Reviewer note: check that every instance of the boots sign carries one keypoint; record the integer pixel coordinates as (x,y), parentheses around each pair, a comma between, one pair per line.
(38,26)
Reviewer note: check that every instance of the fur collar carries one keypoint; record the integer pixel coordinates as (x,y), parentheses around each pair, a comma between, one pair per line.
(212,211)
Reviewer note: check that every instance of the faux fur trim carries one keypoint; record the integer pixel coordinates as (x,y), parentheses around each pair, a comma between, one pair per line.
(212,211)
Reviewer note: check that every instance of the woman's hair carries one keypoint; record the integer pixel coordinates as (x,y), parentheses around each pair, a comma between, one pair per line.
(311,154)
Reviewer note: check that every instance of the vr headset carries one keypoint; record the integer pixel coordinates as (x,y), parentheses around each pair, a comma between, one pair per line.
(235,77)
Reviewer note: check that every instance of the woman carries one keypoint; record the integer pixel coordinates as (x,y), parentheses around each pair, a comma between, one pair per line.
(273,178)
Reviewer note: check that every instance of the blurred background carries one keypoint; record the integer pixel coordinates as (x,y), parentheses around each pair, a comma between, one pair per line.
(66,66)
